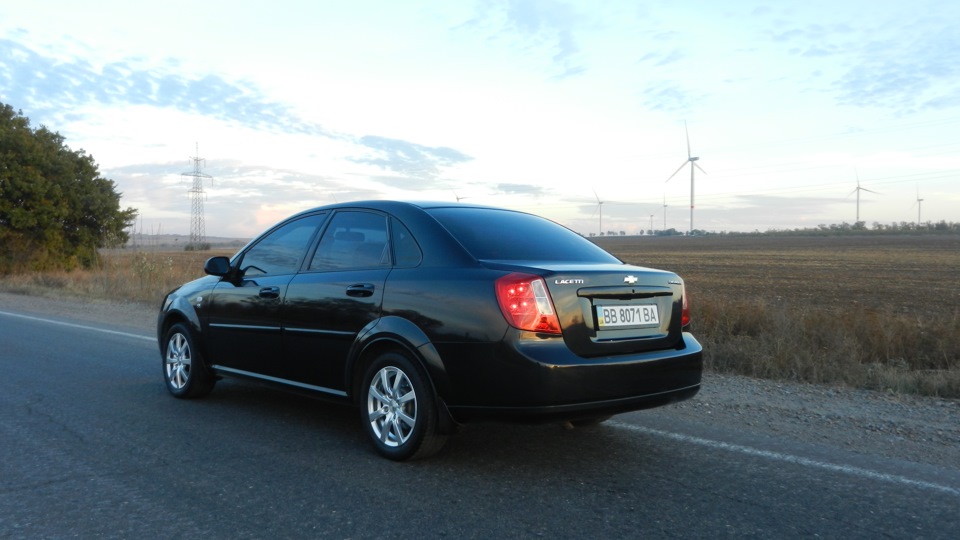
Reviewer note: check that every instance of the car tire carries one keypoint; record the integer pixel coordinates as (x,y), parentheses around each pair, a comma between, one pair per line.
(184,372)
(398,408)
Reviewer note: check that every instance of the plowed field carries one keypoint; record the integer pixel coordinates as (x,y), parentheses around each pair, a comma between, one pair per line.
(907,274)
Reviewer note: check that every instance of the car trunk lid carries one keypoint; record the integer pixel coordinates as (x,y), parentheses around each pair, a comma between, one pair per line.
(613,309)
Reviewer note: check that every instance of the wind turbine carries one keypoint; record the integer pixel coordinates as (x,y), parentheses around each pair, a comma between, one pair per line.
(459,198)
(664,211)
(692,160)
(918,205)
(599,210)
(858,189)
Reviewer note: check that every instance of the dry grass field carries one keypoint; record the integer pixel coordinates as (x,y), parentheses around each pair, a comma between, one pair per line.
(879,312)
(125,275)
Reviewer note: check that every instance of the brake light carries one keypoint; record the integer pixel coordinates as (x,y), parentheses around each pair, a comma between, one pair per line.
(526,304)
(685,314)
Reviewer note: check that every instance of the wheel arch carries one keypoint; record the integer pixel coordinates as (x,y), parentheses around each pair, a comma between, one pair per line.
(397,333)
(180,311)
(179,306)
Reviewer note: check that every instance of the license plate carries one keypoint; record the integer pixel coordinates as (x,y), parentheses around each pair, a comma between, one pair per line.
(628,315)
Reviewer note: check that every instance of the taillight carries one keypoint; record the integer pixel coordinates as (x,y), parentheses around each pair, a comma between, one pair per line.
(526,304)
(685,314)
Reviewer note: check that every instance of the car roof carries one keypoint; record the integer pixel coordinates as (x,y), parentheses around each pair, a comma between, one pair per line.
(386,205)
(396,207)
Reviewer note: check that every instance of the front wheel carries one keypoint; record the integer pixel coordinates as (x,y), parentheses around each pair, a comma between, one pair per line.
(399,410)
(183,369)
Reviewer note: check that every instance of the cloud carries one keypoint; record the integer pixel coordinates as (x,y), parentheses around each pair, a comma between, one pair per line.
(901,64)
(904,73)
(408,159)
(765,212)
(521,189)
(404,183)
(665,96)
(663,58)
(537,24)
(51,88)
(239,199)
(226,179)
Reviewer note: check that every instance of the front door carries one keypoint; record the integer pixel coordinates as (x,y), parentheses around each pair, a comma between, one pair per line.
(243,328)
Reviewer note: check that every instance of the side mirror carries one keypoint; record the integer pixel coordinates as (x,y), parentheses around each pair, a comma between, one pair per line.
(217,266)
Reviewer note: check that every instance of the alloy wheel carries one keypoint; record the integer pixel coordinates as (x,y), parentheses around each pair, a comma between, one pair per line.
(392,406)
(178,361)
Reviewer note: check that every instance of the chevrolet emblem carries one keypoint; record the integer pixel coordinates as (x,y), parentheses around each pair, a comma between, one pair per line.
(630,279)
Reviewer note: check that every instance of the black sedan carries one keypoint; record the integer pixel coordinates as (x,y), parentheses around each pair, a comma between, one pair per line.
(430,315)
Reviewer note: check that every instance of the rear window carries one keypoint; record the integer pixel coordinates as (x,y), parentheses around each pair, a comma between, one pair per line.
(503,235)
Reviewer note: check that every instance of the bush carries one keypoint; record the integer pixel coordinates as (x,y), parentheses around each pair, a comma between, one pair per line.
(55,208)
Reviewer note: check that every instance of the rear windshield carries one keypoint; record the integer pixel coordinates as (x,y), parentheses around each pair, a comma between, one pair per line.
(504,235)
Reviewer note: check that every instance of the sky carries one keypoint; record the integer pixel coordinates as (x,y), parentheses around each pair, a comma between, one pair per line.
(580,111)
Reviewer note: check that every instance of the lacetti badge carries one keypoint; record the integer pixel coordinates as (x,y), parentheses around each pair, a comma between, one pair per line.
(630,280)
(569,281)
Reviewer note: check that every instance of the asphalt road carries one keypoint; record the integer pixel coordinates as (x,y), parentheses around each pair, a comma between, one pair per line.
(93,446)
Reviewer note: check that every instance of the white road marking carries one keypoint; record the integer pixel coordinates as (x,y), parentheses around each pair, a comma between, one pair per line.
(747,450)
(80,326)
(788,458)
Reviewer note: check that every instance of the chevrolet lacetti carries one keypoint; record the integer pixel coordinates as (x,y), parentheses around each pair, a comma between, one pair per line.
(426,316)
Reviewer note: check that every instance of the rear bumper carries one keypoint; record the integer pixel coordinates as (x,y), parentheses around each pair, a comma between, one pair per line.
(541,380)
(573,411)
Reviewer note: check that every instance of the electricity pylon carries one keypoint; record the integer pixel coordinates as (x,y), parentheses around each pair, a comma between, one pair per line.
(198,236)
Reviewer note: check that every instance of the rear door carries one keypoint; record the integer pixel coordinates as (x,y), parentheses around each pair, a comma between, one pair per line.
(339,292)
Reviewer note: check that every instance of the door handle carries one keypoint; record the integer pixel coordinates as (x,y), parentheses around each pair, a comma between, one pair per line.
(360,290)
(270,292)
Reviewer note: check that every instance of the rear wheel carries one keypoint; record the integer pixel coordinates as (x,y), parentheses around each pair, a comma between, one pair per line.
(183,369)
(399,410)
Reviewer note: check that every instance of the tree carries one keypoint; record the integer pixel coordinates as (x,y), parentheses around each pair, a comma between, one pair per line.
(56,210)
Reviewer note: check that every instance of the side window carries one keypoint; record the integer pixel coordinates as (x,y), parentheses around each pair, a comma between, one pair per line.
(280,251)
(353,239)
(405,247)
